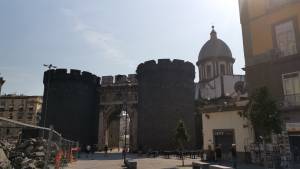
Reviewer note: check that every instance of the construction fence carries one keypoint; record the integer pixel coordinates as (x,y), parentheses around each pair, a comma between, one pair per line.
(34,146)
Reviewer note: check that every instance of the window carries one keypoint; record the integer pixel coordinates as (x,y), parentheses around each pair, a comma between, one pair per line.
(135,97)
(222,69)
(3,103)
(10,116)
(29,116)
(208,71)
(202,73)
(2,109)
(20,116)
(277,3)
(38,116)
(30,108)
(291,88)
(285,38)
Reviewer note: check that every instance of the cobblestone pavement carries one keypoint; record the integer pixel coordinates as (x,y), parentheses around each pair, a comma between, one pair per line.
(115,161)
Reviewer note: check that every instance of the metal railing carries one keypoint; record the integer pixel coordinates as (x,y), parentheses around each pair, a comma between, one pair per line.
(291,100)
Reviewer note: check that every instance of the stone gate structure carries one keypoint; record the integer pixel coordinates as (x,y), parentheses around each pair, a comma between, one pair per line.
(88,108)
(117,93)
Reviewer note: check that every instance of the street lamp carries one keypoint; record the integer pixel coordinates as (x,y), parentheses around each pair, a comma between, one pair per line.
(126,117)
(47,93)
(125,132)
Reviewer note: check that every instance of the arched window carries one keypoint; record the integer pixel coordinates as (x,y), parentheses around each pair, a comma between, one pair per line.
(222,69)
(208,71)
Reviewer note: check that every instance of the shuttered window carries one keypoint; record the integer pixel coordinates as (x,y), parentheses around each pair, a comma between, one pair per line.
(285,38)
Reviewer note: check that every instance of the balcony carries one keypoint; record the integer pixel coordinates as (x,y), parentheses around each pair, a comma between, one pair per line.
(291,100)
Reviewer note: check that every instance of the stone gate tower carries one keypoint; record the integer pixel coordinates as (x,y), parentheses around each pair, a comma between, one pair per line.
(70,104)
(165,96)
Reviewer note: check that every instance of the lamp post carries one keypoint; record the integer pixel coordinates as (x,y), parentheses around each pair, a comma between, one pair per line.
(50,66)
(126,117)
(125,132)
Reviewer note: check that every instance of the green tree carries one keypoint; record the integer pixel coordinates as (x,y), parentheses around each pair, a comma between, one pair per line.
(264,114)
(181,137)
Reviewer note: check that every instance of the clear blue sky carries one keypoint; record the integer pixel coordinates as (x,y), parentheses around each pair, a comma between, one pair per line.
(107,37)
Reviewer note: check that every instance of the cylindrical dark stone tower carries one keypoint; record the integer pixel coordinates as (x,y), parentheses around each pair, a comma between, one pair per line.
(70,104)
(165,96)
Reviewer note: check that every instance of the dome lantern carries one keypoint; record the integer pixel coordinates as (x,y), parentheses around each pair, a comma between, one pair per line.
(213,33)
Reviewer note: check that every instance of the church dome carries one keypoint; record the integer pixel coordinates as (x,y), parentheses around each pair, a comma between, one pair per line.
(214,48)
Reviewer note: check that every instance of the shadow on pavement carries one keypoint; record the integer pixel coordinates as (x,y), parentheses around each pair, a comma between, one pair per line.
(109,156)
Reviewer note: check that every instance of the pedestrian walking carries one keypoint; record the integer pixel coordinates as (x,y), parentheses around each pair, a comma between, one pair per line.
(210,154)
(218,152)
(123,153)
(78,152)
(234,156)
(88,150)
(93,149)
(105,150)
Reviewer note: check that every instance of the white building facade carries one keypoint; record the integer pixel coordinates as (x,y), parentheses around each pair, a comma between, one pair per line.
(222,97)
(215,65)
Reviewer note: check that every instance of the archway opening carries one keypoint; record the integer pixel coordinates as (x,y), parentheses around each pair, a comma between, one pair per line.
(118,129)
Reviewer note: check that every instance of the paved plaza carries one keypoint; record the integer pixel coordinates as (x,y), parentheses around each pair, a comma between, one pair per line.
(115,161)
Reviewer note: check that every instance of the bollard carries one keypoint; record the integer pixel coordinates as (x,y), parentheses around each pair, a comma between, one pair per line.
(200,165)
(131,164)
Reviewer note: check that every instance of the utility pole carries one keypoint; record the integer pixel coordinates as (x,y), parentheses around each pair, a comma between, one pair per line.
(47,93)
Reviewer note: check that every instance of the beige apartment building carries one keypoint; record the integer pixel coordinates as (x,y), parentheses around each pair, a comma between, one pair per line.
(25,109)
(271,36)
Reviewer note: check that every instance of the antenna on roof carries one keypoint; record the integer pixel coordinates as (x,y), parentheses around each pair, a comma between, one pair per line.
(50,66)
